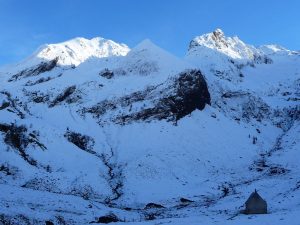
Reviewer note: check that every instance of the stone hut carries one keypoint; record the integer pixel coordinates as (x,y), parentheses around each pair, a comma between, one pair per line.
(256,204)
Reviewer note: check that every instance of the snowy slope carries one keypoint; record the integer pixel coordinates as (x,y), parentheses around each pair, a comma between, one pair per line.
(70,53)
(231,47)
(224,56)
(78,50)
(89,127)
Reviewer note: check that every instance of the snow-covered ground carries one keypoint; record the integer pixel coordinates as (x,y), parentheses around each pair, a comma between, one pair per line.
(90,127)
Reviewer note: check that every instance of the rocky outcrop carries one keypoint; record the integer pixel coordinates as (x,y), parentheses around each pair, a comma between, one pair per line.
(172,100)
(19,138)
(109,218)
(83,142)
(189,93)
(106,73)
(65,95)
(35,70)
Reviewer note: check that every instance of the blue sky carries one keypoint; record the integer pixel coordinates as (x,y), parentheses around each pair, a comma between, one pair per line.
(171,24)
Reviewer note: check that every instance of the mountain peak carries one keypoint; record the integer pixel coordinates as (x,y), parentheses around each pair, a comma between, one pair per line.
(148,58)
(146,44)
(218,33)
(147,48)
(215,39)
(77,50)
(232,47)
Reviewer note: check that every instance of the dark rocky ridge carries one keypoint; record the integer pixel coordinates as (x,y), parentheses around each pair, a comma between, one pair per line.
(19,138)
(190,93)
(172,100)
(36,70)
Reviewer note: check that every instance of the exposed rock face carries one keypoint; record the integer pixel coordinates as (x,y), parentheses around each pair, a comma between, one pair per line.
(83,142)
(172,100)
(192,93)
(64,96)
(49,222)
(18,138)
(107,73)
(256,204)
(4,105)
(36,70)
(152,205)
(109,218)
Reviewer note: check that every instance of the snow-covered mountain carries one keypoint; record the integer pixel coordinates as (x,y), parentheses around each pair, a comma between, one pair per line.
(90,127)
(231,47)
(72,53)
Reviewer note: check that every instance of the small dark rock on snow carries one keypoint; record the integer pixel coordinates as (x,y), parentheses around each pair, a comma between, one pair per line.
(107,73)
(109,218)
(185,200)
(152,205)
